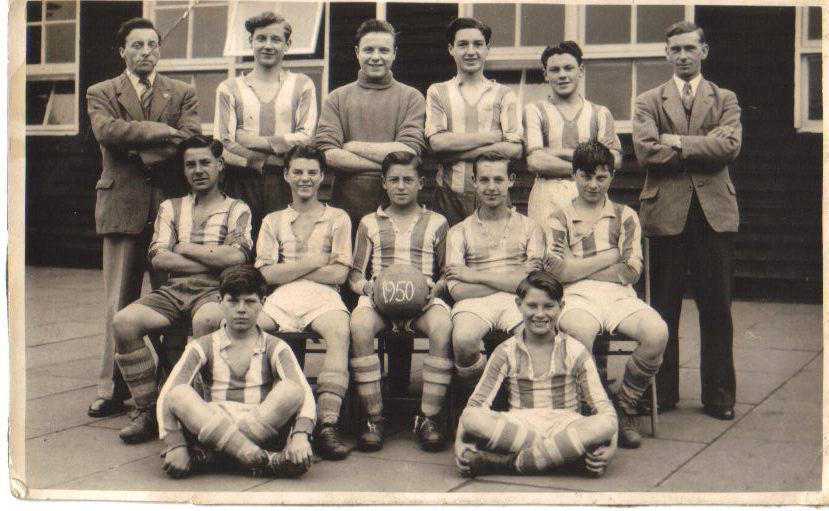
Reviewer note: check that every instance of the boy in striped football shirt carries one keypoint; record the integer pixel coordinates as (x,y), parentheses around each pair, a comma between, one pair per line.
(548,374)
(305,250)
(195,238)
(402,233)
(253,389)
(594,247)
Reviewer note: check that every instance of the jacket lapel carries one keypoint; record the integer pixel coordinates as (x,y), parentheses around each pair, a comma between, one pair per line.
(128,98)
(161,96)
(672,104)
(702,104)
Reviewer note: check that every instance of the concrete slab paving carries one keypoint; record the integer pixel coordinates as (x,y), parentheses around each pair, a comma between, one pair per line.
(777,419)
(58,332)
(767,360)
(38,386)
(815,366)
(403,447)
(805,386)
(752,387)
(58,412)
(59,353)
(689,423)
(481,486)
(79,368)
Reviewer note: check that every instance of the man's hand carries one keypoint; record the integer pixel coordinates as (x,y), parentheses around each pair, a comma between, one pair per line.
(177,462)
(670,140)
(596,462)
(461,273)
(721,132)
(234,237)
(182,248)
(251,140)
(436,289)
(368,287)
(299,450)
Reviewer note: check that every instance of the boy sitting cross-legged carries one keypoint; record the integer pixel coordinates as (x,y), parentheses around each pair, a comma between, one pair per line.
(255,393)
(305,249)
(594,248)
(195,238)
(547,373)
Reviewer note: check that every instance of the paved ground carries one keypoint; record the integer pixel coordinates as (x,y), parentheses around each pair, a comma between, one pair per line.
(773,445)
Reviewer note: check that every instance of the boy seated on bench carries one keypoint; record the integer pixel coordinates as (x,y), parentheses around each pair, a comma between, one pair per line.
(195,238)
(402,233)
(305,249)
(594,247)
(547,372)
(487,255)
(256,397)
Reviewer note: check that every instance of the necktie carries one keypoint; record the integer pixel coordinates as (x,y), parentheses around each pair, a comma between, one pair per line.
(146,96)
(687,97)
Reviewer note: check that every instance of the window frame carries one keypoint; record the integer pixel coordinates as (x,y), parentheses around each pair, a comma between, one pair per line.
(804,48)
(55,72)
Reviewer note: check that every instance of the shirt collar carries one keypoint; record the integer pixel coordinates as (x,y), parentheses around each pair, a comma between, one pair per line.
(135,79)
(512,212)
(282,74)
(385,83)
(221,208)
(458,81)
(607,211)
(680,84)
(382,213)
(293,214)
(220,336)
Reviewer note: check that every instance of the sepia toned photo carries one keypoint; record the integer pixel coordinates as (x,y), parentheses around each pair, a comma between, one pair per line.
(416,252)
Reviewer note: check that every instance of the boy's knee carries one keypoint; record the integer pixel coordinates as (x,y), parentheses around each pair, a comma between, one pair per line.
(178,396)
(466,349)
(205,323)
(471,419)
(606,426)
(124,327)
(581,326)
(653,335)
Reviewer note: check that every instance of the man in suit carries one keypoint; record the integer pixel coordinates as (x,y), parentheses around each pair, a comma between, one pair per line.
(138,118)
(685,133)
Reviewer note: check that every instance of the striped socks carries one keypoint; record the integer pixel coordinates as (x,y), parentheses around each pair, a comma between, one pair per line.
(256,428)
(638,373)
(366,373)
(510,437)
(220,434)
(138,370)
(331,386)
(437,374)
(562,448)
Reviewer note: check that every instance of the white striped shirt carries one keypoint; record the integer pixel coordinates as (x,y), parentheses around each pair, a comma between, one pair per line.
(520,249)
(571,378)
(176,223)
(381,244)
(271,361)
(278,243)
(448,110)
(292,113)
(545,127)
(617,227)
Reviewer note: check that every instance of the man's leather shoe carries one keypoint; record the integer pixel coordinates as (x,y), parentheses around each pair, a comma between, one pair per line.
(102,407)
(329,445)
(723,413)
(142,427)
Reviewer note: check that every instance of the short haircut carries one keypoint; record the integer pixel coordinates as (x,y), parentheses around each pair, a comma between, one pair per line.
(461,23)
(130,25)
(375,25)
(490,157)
(588,156)
(197,142)
(684,27)
(540,280)
(267,19)
(241,279)
(401,158)
(307,152)
(562,48)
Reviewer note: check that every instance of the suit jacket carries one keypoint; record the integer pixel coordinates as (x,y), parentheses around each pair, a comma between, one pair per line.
(702,165)
(136,153)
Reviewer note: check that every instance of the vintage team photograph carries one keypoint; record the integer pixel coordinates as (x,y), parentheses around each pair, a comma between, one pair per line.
(417,252)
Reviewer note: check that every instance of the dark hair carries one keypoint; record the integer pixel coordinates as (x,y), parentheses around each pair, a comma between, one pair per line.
(461,23)
(267,19)
(241,279)
(684,27)
(197,142)
(307,152)
(375,25)
(130,25)
(540,280)
(587,156)
(562,48)
(401,158)
(490,157)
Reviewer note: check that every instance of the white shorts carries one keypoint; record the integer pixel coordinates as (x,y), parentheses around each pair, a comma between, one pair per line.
(609,303)
(407,324)
(546,422)
(549,195)
(497,310)
(295,305)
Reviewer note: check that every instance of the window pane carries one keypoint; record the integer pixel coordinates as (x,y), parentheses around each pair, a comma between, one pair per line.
(608,83)
(33,44)
(61,10)
(650,73)
(303,17)
(815,24)
(815,94)
(34,10)
(206,85)
(174,45)
(60,43)
(62,110)
(209,30)
(541,24)
(607,24)
(37,96)
(501,18)
(652,20)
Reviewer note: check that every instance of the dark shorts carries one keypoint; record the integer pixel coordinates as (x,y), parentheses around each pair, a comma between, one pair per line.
(182,295)
(262,193)
(358,195)
(454,206)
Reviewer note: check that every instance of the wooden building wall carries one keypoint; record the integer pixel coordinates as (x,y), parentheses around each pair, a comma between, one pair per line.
(777,176)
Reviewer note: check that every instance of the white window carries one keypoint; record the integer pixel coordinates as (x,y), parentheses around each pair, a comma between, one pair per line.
(623,45)
(204,42)
(52,67)
(808,78)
